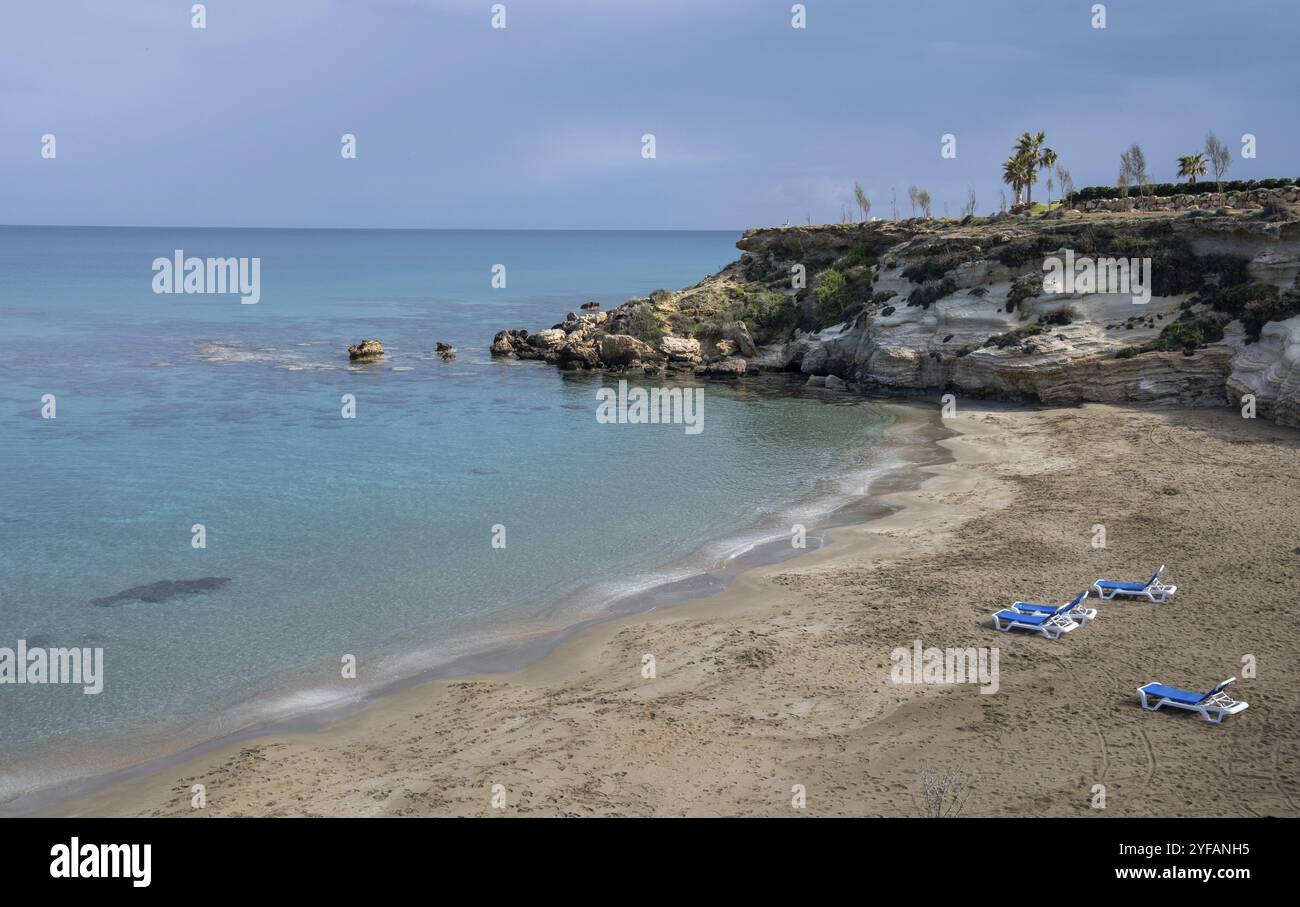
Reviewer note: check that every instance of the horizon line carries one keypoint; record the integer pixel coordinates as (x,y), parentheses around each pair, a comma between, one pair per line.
(389,229)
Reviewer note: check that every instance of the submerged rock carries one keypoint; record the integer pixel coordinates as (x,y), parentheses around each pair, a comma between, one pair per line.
(366,350)
(162,591)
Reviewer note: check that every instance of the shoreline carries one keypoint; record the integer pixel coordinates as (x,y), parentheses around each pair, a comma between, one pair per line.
(739,678)
(516,646)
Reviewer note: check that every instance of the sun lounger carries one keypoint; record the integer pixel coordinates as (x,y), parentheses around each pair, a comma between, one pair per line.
(1214,703)
(1082,615)
(1152,590)
(1051,624)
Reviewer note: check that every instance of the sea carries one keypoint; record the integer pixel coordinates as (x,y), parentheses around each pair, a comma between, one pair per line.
(250,526)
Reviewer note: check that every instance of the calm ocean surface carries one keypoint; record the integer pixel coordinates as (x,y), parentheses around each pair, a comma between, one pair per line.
(369,536)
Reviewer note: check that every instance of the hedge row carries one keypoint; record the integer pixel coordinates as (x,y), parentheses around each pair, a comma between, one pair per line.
(1093,193)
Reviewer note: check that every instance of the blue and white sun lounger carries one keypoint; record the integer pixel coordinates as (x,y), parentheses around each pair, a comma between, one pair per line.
(1215,702)
(1082,615)
(1152,589)
(1051,624)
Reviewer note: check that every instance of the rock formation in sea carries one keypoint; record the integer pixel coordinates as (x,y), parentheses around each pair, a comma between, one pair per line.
(977,306)
(366,350)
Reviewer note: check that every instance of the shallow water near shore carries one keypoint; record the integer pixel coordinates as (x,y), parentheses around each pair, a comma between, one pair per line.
(369,537)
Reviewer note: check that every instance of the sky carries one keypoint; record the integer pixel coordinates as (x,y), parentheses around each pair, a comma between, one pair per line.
(539,125)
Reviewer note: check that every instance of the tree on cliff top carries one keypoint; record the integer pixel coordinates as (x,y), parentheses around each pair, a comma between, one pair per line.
(1133,169)
(1190,166)
(1219,159)
(864,203)
(1031,156)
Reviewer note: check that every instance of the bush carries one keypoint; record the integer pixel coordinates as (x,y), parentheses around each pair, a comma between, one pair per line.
(1179,335)
(1207,186)
(931,268)
(1189,333)
(1015,338)
(1261,311)
(1024,288)
(929,293)
(1237,299)
(644,325)
(882,297)
(1059,317)
(859,256)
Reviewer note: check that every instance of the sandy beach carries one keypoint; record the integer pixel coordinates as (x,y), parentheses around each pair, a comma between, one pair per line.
(784,678)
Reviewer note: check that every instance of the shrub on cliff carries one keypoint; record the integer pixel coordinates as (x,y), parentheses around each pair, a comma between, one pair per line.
(1015,338)
(643,324)
(1260,312)
(1060,317)
(1179,335)
(931,268)
(858,257)
(929,293)
(1024,288)
(768,312)
(1188,333)
(1237,299)
(829,296)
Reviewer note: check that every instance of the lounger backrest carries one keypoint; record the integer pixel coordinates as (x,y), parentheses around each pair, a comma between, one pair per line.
(1155,576)
(1069,606)
(1219,689)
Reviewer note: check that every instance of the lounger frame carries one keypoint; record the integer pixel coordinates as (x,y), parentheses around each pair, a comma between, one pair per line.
(1154,591)
(1060,621)
(1213,707)
(1082,615)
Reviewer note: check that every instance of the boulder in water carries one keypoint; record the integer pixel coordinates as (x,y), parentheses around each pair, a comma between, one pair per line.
(366,350)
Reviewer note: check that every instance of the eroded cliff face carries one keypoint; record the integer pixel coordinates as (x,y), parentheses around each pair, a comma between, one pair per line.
(1270,370)
(969,307)
(995,330)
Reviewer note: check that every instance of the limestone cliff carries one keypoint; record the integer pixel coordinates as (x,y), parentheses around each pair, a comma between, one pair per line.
(942,305)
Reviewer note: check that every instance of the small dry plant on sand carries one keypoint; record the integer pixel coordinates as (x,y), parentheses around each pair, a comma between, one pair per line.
(944,793)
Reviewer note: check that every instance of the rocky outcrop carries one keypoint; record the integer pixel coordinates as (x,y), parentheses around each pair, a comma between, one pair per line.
(683,353)
(507,343)
(366,351)
(985,336)
(445,351)
(963,306)
(1270,371)
(624,351)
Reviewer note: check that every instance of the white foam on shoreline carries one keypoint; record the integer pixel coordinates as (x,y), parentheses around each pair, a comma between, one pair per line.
(402,660)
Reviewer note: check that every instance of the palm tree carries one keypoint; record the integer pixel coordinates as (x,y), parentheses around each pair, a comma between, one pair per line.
(1191,166)
(1016,173)
(1037,157)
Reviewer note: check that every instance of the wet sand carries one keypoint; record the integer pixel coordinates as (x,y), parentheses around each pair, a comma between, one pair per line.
(783,678)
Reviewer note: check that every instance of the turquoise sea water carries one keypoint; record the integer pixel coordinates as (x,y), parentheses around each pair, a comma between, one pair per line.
(368,536)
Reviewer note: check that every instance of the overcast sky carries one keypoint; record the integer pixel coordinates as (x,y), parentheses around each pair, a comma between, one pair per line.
(539,125)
